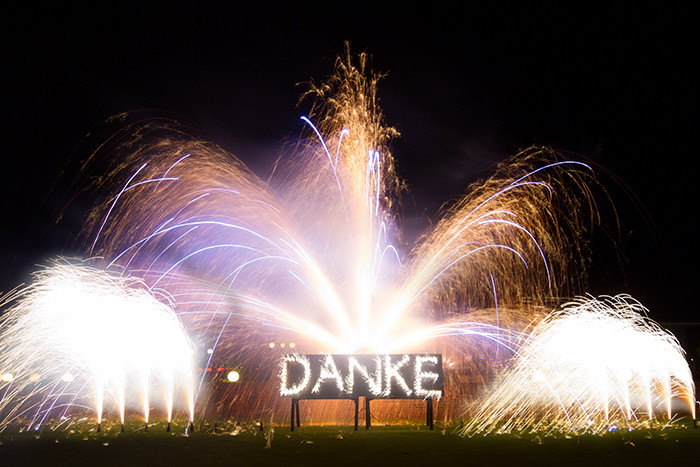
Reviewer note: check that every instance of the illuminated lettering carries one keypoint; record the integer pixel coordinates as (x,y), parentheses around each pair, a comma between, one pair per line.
(392,372)
(404,376)
(302,360)
(374,384)
(421,375)
(328,371)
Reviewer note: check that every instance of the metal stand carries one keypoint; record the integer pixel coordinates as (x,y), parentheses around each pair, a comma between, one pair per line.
(368,414)
(429,412)
(295,413)
(357,410)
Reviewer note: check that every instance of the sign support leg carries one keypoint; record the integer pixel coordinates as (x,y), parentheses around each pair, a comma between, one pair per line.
(357,411)
(429,412)
(292,424)
(368,415)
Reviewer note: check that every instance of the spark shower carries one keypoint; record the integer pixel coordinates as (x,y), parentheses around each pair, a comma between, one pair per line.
(315,254)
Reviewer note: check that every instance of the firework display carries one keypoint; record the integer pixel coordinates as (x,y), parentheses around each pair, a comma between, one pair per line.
(313,260)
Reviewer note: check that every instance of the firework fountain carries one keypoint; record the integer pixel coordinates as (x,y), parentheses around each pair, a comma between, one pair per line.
(83,337)
(594,365)
(315,255)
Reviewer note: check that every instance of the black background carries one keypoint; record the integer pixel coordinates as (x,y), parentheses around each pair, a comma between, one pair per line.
(466,87)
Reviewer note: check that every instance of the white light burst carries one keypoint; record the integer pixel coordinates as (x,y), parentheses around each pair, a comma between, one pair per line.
(593,364)
(83,337)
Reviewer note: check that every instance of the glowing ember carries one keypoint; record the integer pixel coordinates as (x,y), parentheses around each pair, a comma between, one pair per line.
(80,336)
(594,364)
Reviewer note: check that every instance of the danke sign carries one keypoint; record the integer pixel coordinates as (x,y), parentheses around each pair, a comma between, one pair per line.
(389,376)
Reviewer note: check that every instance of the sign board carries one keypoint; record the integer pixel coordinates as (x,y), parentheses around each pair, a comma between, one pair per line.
(388,376)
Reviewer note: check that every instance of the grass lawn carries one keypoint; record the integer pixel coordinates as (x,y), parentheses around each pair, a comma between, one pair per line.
(339,446)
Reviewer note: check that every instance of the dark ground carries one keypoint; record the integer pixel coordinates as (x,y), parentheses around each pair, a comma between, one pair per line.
(341,446)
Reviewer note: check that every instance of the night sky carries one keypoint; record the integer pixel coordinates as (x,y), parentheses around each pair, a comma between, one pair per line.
(465,89)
